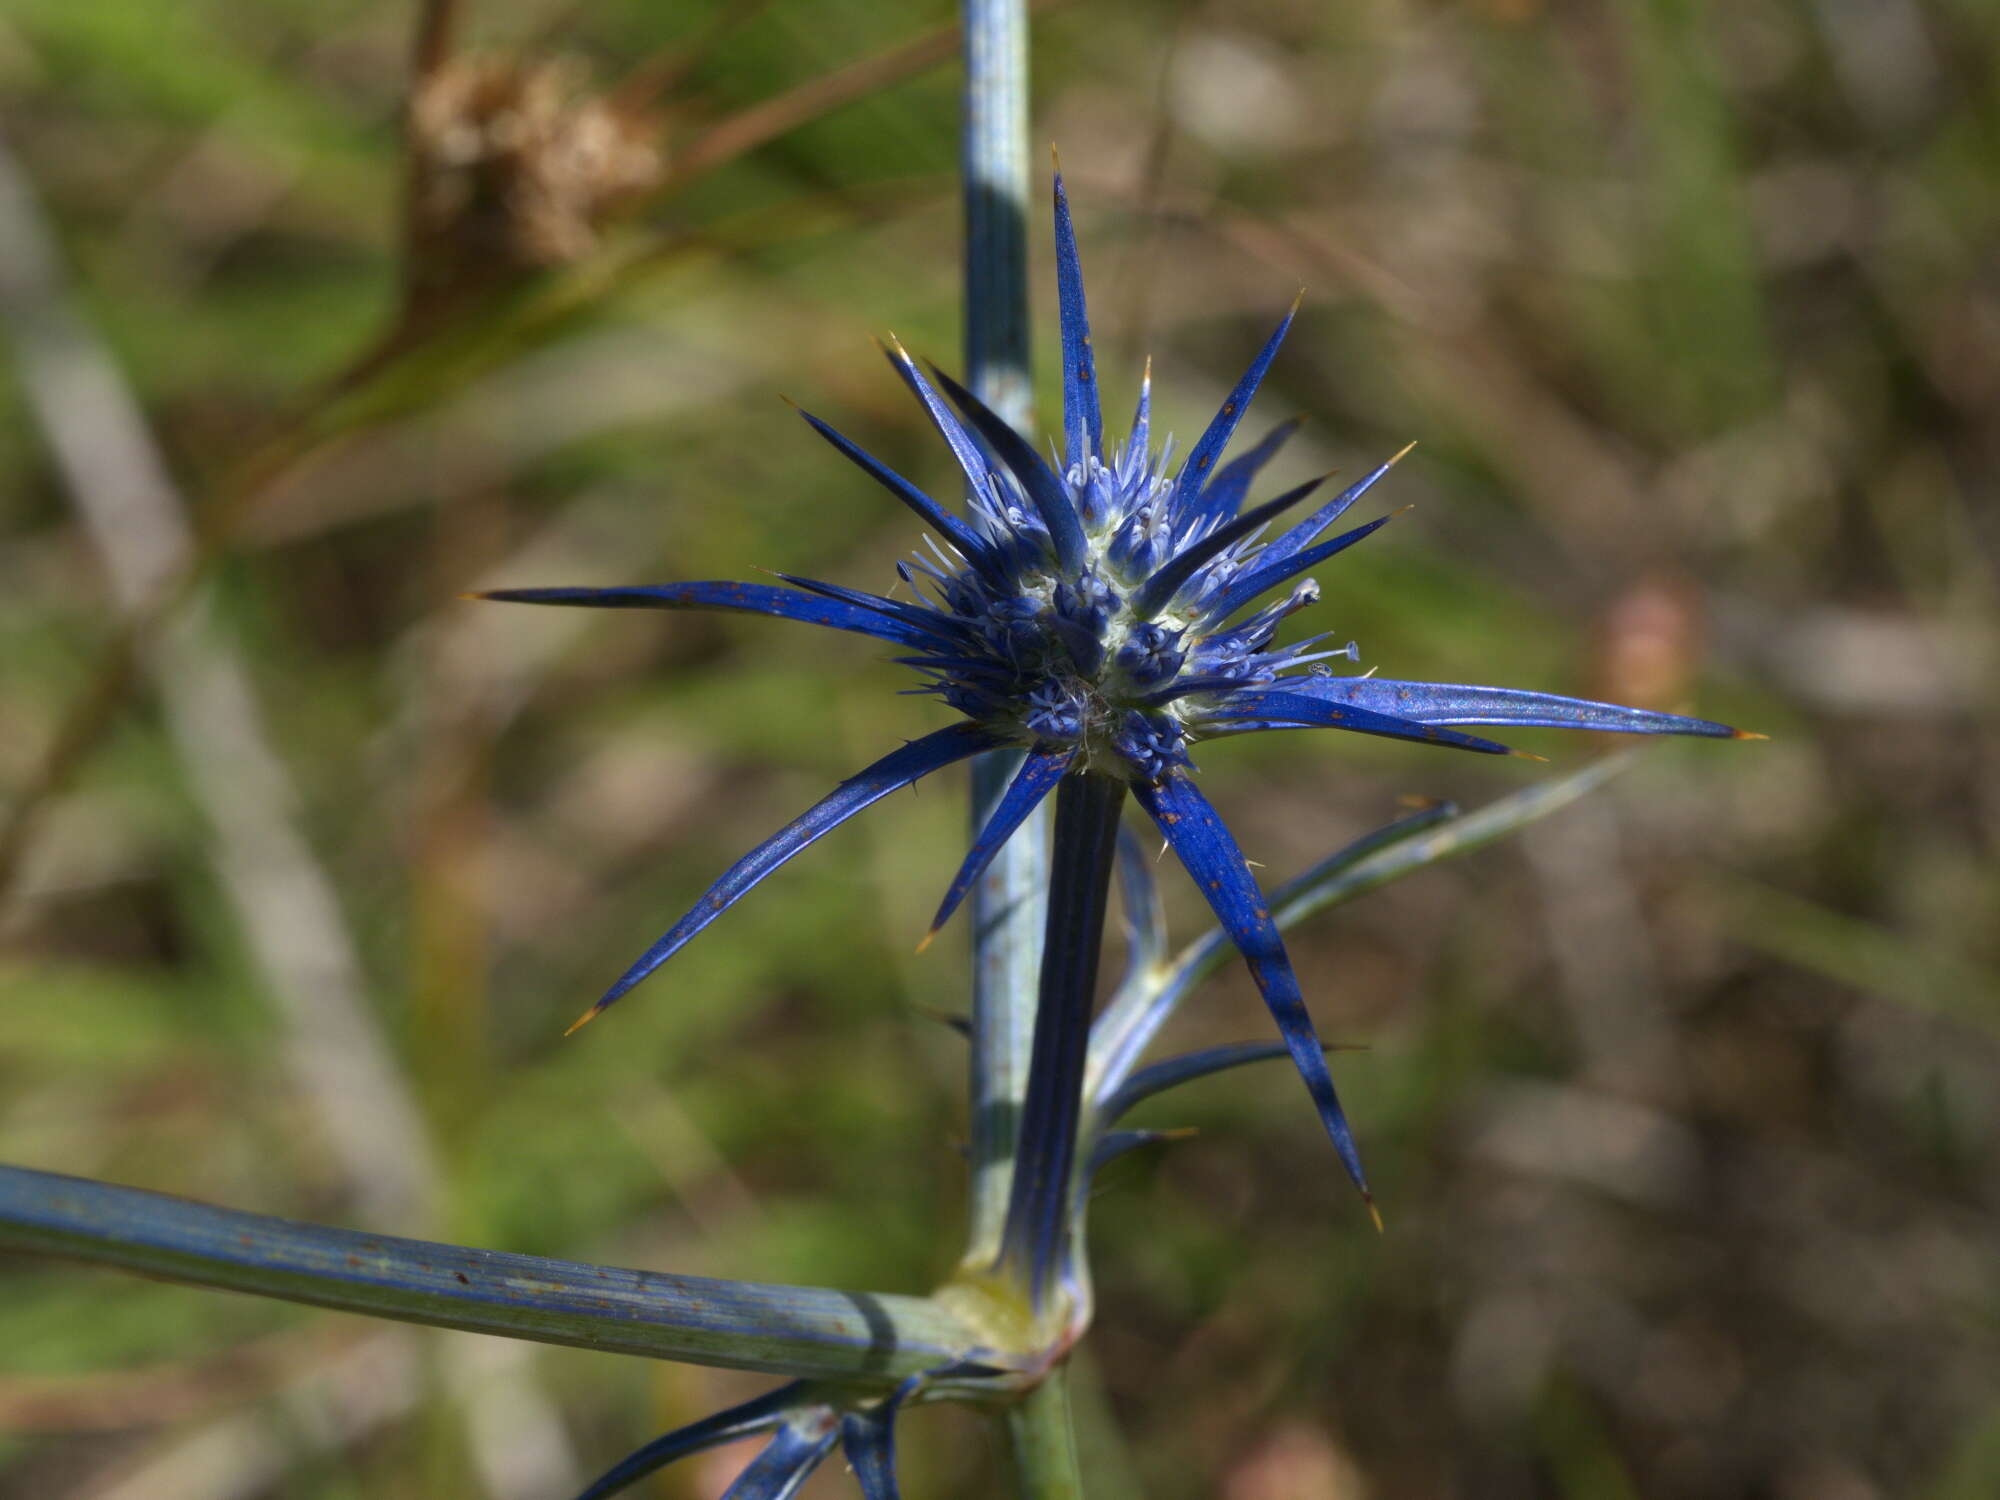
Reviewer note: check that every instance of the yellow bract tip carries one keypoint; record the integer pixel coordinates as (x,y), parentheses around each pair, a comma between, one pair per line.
(583,1020)
(929,937)
(482,596)
(1374,1215)
(1403,452)
(1747,734)
(1529,755)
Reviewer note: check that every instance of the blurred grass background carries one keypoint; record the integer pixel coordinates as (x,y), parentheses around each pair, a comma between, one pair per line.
(1681,1108)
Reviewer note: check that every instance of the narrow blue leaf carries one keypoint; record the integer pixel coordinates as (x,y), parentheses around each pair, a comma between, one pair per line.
(759,1415)
(1158,591)
(1083,425)
(788,1460)
(1218,868)
(1161,1076)
(1454,703)
(868,1438)
(894,771)
(1278,709)
(927,510)
(1047,492)
(728,596)
(1225,493)
(1039,773)
(1268,575)
(1300,536)
(1142,915)
(1114,1144)
(1195,472)
(1356,850)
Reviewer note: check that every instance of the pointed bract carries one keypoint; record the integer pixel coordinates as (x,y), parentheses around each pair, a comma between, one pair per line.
(1083,425)
(892,772)
(1217,866)
(926,509)
(964,447)
(1202,458)
(868,1439)
(1047,493)
(1159,590)
(1455,703)
(1294,710)
(1031,784)
(1224,494)
(788,1460)
(758,1415)
(1299,537)
(729,597)
(1268,577)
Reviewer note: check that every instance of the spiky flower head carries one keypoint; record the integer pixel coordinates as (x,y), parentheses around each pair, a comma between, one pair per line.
(1102,613)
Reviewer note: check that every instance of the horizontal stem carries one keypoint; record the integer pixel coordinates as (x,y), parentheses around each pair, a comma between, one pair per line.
(787,1330)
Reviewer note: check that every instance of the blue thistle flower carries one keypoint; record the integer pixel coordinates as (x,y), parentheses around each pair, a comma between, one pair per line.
(1100,617)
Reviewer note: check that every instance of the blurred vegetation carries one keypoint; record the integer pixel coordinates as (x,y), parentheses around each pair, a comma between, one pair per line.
(1681,1109)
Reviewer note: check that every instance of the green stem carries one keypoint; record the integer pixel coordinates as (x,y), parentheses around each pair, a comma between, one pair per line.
(788,1330)
(1042,1439)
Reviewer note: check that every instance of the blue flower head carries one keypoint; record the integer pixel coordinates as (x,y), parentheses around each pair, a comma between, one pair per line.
(1103,614)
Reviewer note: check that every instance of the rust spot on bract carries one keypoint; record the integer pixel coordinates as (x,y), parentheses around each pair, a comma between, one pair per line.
(463,1279)
(353,1262)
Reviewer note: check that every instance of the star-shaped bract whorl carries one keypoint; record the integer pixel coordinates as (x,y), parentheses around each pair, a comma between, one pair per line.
(1096,617)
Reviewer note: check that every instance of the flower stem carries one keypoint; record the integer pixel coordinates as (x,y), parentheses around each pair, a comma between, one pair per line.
(790,1330)
(1007,904)
(1086,847)
(1042,1439)
(994,165)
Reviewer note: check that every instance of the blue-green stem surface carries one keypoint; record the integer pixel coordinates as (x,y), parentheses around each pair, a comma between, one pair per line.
(791,1330)
(1007,905)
